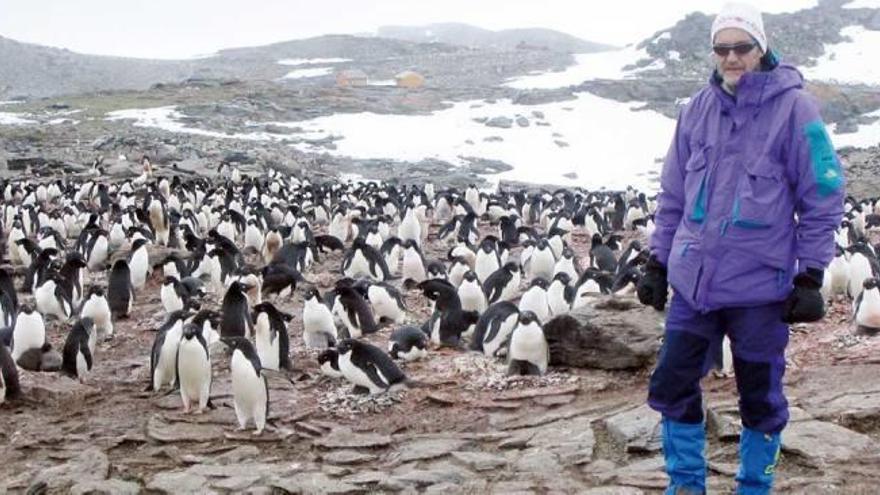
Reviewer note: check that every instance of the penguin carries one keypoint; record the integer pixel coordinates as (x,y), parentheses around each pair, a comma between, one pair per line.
(541,262)
(626,282)
(194,369)
(270,337)
(163,356)
(52,297)
(503,284)
(328,362)
(97,250)
(355,313)
(456,272)
(362,260)
(601,256)
(560,294)
(10,387)
(835,280)
(408,343)
(173,294)
(866,307)
(280,279)
(487,260)
(591,284)
(97,308)
(253,236)
(139,263)
(528,352)
(391,252)
(8,300)
(436,269)
(567,263)
(319,329)
(77,357)
(120,290)
(387,303)
(410,229)
(471,294)
(250,389)
(449,321)
(862,266)
(207,319)
(28,333)
(413,270)
(271,244)
(494,328)
(368,367)
(235,314)
(534,299)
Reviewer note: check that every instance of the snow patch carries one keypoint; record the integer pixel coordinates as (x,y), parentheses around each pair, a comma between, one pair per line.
(305,73)
(849,62)
(166,118)
(866,135)
(863,4)
(312,61)
(7,118)
(663,36)
(384,82)
(587,67)
(674,55)
(600,151)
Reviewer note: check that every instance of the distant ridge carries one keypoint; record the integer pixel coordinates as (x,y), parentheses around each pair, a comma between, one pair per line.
(455,33)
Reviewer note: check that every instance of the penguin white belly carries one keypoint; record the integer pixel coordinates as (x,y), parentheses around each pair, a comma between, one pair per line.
(82,367)
(267,348)
(528,344)
(166,369)
(392,259)
(586,294)
(318,325)
(194,368)
(98,310)
(384,306)
(838,269)
(99,254)
(541,265)
(512,288)
(29,333)
(413,268)
(565,265)
(357,376)
(456,274)
(493,346)
(485,265)
(327,369)
(535,300)
(359,266)
(170,300)
(556,299)
(253,238)
(138,267)
(472,296)
(48,304)
(249,392)
(859,271)
(413,354)
(435,331)
(868,314)
(354,331)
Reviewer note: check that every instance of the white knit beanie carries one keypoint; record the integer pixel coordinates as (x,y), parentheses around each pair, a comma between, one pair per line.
(742,16)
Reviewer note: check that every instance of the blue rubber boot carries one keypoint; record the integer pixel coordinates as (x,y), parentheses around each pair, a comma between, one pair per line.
(683,446)
(758,455)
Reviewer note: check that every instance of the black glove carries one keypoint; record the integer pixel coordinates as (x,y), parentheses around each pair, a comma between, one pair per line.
(805,303)
(652,287)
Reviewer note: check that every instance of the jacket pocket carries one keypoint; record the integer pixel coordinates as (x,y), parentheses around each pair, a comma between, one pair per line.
(695,185)
(761,196)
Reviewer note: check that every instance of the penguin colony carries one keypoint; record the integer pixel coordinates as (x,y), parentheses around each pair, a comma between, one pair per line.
(79,256)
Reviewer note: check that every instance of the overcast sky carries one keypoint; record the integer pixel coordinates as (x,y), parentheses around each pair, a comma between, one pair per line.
(186,28)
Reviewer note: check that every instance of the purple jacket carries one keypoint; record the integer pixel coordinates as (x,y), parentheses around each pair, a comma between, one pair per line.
(751,192)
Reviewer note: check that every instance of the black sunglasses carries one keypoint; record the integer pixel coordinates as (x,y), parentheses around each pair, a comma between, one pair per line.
(739,49)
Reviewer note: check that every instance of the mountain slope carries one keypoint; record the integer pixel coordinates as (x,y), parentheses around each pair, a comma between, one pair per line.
(506,39)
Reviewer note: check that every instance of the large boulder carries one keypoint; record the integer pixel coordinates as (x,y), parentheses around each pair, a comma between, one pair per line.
(612,334)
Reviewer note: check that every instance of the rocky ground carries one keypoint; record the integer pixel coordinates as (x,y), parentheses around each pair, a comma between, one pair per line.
(464,428)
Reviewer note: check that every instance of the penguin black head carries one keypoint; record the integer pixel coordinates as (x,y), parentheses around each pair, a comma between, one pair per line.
(191,331)
(95,290)
(470,276)
(87,323)
(169,280)
(511,266)
(596,240)
(528,317)
(312,293)
(487,245)
(345,346)
(137,244)
(26,309)
(539,282)
(870,283)
(329,356)
(563,277)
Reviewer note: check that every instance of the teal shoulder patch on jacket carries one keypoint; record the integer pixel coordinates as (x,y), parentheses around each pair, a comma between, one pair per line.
(826,167)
